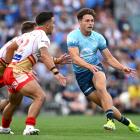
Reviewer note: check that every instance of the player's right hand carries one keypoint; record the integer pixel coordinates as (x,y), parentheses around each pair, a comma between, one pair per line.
(129,71)
(93,68)
(64,59)
(61,79)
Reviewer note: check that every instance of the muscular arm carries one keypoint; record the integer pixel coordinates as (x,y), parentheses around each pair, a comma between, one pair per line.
(49,63)
(46,58)
(112,60)
(10,52)
(74,53)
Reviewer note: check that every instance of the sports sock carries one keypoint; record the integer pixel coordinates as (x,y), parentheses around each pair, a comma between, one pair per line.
(30,121)
(6,123)
(124,120)
(109,114)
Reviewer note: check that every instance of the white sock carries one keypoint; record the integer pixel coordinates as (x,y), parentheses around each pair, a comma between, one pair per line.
(29,126)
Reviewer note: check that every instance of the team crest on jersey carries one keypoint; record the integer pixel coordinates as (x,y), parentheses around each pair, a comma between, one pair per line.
(45,42)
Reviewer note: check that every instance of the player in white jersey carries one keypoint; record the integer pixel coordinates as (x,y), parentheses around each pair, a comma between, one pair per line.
(25,27)
(18,75)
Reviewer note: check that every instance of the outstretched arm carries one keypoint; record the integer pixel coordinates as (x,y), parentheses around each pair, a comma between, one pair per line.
(63,59)
(48,61)
(115,63)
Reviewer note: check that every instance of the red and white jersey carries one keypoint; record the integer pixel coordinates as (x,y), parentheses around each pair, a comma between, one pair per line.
(5,46)
(30,44)
(28,52)
(3,50)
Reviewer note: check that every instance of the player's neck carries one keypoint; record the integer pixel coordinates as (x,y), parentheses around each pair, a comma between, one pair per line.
(39,28)
(85,33)
(42,28)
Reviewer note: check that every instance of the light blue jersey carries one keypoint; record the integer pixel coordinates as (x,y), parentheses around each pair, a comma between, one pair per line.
(88,47)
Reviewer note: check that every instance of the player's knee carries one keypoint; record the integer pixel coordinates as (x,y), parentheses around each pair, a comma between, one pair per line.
(100,89)
(41,98)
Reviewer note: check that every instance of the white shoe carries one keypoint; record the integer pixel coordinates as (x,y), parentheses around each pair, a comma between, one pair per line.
(31,131)
(5,131)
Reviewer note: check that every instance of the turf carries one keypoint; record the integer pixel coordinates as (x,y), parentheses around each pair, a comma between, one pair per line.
(72,128)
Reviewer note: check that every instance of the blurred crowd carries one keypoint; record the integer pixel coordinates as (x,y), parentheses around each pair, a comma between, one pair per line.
(122,40)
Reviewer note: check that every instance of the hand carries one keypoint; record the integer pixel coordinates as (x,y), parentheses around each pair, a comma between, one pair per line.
(93,68)
(64,59)
(61,79)
(130,72)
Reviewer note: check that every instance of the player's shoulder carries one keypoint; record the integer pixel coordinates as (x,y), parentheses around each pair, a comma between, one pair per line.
(36,32)
(97,34)
(39,34)
(74,33)
(15,38)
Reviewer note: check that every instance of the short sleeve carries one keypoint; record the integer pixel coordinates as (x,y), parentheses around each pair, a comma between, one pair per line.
(16,39)
(102,43)
(72,41)
(43,40)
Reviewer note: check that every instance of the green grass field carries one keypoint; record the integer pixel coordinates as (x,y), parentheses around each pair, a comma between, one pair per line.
(72,128)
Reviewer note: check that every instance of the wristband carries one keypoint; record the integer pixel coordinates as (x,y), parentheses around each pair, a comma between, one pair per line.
(52,68)
(55,73)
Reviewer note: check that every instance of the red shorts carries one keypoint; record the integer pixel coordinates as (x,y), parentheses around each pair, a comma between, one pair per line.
(1,82)
(15,81)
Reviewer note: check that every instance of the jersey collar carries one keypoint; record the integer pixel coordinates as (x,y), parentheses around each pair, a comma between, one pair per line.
(39,28)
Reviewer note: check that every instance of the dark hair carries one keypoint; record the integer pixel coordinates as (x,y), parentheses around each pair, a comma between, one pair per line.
(85,11)
(27,26)
(43,17)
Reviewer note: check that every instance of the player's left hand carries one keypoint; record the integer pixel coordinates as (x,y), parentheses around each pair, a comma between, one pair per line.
(64,59)
(129,71)
(61,79)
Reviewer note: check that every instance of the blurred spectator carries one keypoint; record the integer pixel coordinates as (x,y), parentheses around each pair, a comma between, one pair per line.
(64,22)
(94,3)
(134,92)
(115,89)
(71,101)
(123,23)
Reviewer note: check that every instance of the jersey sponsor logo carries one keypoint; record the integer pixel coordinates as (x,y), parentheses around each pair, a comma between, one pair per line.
(17,57)
(86,52)
(45,42)
(22,78)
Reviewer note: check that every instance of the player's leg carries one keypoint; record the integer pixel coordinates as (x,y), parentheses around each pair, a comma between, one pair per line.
(117,115)
(33,90)
(3,103)
(14,102)
(99,81)
(26,85)
(86,81)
